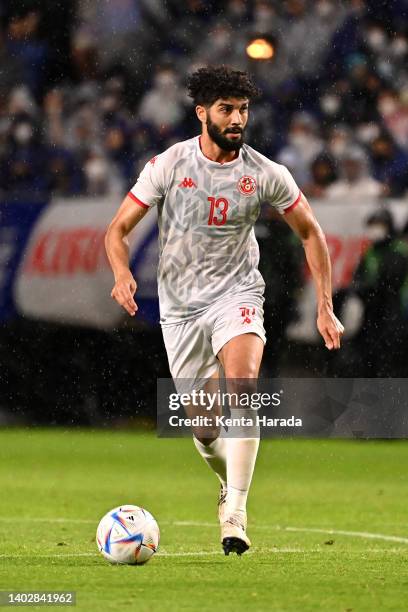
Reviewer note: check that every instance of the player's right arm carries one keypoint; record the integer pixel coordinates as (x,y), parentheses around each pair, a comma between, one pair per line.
(117,249)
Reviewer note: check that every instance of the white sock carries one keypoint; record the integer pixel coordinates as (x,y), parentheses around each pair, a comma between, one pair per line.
(241,457)
(215,456)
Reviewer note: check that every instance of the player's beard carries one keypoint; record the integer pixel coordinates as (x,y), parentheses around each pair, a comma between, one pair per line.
(221,140)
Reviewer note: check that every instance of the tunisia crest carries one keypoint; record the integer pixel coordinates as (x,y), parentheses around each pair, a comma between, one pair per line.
(247,185)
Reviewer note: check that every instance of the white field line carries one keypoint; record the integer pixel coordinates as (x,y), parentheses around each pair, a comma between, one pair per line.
(328,531)
(353,534)
(204,553)
(38,519)
(50,556)
(161,553)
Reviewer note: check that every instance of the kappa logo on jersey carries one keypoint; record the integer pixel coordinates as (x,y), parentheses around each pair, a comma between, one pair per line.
(246,314)
(247,185)
(152,161)
(187,183)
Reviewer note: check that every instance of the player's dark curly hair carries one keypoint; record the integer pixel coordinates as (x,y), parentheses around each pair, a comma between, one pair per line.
(208,84)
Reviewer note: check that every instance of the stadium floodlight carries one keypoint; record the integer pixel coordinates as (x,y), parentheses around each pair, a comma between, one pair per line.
(260,49)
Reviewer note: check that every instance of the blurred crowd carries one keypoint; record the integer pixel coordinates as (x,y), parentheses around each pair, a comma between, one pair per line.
(90,89)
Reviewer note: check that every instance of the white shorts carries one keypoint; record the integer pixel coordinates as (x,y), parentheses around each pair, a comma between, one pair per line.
(192,346)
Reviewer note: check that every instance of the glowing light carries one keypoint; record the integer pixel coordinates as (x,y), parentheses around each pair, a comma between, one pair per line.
(260,49)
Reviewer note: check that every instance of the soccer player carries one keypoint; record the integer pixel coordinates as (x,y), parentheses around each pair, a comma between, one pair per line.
(208,191)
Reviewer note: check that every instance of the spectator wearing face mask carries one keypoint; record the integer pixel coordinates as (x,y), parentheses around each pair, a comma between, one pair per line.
(366,132)
(390,165)
(374,37)
(304,144)
(101,177)
(331,107)
(394,114)
(339,140)
(23,170)
(265,18)
(398,51)
(219,44)
(355,182)
(164,117)
(324,174)
(386,48)
(82,126)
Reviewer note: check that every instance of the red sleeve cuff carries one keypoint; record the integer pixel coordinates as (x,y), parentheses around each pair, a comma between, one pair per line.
(135,199)
(292,206)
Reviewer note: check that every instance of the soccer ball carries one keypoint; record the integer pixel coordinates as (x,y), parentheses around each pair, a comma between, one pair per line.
(128,534)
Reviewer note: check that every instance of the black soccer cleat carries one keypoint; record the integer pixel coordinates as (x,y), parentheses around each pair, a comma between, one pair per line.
(234,545)
(233,534)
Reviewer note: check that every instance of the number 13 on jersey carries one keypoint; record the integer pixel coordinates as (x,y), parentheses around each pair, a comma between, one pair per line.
(218,211)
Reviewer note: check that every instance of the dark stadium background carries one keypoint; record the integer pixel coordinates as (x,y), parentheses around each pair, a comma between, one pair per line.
(82,91)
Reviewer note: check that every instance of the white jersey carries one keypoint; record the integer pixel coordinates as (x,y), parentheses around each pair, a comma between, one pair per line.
(207,211)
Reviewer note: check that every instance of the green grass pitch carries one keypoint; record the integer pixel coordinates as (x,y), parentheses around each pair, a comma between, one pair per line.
(327,518)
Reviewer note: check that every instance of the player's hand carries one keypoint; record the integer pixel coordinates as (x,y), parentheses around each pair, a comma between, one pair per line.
(123,292)
(330,328)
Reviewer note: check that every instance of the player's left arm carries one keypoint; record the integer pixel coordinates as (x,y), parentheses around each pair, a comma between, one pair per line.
(303,222)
